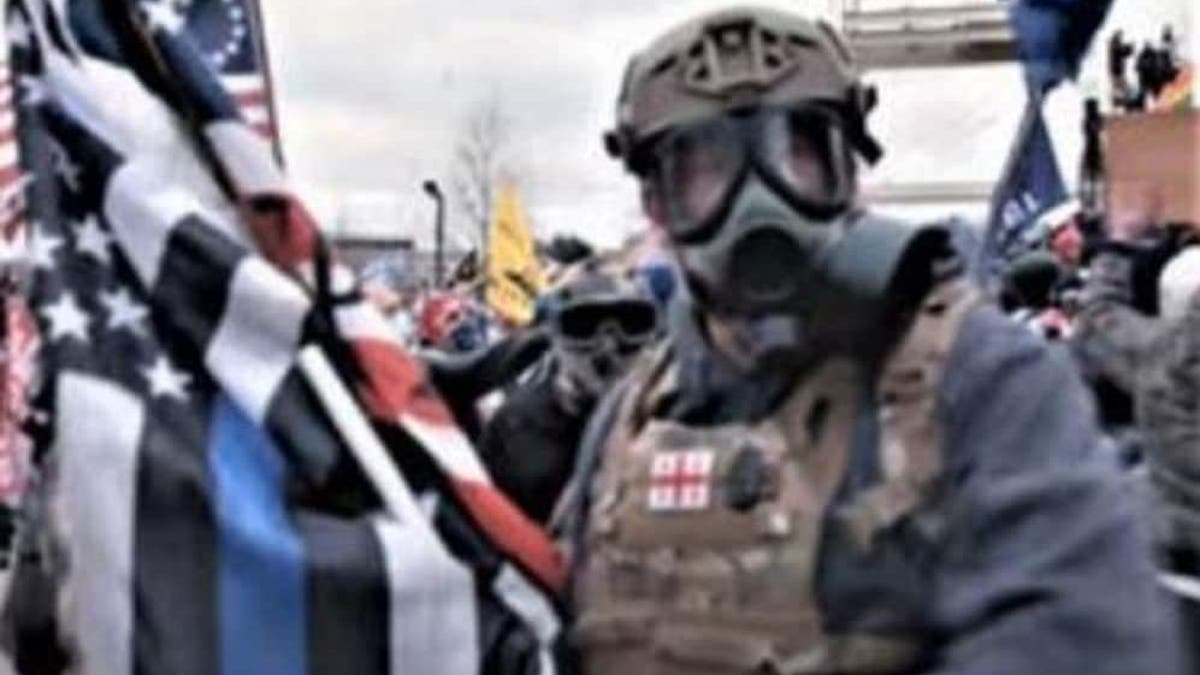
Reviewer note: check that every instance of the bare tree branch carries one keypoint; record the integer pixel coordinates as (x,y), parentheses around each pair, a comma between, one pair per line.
(478,161)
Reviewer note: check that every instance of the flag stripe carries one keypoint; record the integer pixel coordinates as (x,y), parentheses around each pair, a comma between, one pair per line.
(396,385)
(192,267)
(97,470)
(175,575)
(141,215)
(255,115)
(259,330)
(265,130)
(243,83)
(453,450)
(347,597)
(9,174)
(193,288)
(519,538)
(248,159)
(396,391)
(298,422)
(253,98)
(261,561)
(531,605)
(434,629)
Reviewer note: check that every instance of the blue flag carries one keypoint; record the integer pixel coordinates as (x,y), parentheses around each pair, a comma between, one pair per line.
(1031,185)
(1053,36)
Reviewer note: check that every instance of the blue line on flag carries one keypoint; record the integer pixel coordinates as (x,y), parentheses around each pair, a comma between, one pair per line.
(261,569)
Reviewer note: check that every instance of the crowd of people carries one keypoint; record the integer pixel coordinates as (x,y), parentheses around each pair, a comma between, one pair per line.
(782,434)
(619,367)
(1125,305)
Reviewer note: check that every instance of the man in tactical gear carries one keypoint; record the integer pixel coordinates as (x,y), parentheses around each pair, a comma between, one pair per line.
(598,323)
(841,461)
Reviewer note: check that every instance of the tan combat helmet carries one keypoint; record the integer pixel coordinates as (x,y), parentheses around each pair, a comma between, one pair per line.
(733,60)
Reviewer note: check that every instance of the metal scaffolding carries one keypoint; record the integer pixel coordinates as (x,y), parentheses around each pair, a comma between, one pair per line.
(891,34)
(968,32)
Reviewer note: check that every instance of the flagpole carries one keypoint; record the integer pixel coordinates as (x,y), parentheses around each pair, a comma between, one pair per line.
(364,444)
(264,55)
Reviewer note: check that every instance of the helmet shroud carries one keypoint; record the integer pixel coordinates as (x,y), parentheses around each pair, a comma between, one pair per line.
(737,60)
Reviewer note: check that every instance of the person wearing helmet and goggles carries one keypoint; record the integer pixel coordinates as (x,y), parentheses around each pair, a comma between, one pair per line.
(841,460)
(598,322)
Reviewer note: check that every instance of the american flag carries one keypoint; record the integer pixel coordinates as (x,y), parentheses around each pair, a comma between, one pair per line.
(230,37)
(9,169)
(12,232)
(245,473)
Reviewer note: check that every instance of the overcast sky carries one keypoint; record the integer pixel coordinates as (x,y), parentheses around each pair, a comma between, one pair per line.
(373,95)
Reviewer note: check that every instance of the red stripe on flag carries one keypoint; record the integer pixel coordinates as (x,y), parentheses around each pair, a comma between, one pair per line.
(283,229)
(264,129)
(513,533)
(250,99)
(395,384)
(9,174)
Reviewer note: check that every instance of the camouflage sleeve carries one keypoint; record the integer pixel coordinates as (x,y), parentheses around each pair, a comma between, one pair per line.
(1044,565)
(1111,338)
(1169,410)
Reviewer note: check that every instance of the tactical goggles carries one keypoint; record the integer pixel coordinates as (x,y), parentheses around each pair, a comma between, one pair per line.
(697,171)
(630,323)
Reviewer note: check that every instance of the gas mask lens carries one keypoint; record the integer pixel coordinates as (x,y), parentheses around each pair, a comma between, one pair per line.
(802,155)
(805,152)
(698,170)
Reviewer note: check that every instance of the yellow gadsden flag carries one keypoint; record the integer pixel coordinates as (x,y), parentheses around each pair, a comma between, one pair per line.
(514,273)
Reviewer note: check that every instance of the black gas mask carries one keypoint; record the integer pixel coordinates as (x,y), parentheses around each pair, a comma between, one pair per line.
(758,206)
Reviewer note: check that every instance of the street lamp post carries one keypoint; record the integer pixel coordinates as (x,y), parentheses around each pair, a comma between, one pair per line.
(434,191)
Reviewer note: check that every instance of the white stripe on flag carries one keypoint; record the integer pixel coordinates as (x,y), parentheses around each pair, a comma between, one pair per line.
(93,514)
(107,100)
(8,120)
(115,106)
(143,214)
(148,197)
(255,345)
(531,605)
(8,154)
(255,114)
(434,627)
(243,84)
(247,157)
(449,447)
(360,321)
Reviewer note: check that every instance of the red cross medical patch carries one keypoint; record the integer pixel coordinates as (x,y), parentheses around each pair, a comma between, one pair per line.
(679,481)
